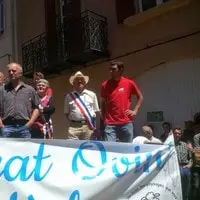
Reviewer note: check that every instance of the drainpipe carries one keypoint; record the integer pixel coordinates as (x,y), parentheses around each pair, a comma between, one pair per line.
(14,30)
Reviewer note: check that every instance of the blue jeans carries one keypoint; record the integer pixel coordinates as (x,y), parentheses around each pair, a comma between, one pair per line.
(15,131)
(123,132)
(195,183)
(185,182)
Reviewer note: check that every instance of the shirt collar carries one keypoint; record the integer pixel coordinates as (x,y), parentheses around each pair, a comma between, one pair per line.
(83,92)
(8,86)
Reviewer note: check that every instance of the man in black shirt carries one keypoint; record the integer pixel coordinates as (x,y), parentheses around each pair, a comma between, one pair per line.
(167,131)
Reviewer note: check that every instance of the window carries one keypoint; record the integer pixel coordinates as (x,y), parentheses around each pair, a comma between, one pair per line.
(124,9)
(143,5)
(127,8)
(1,17)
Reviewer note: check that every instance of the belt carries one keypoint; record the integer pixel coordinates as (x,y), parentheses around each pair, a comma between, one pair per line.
(79,122)
(13,121)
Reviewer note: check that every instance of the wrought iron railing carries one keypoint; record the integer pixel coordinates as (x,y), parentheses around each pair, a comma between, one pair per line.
(94,39)
(95,34)
(34,53)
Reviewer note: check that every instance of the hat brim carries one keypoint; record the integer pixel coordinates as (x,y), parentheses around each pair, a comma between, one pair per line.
(72,78)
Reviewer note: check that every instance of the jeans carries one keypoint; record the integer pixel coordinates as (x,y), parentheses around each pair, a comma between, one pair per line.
(185,182)
(122,132)
(195,183)
(15,131)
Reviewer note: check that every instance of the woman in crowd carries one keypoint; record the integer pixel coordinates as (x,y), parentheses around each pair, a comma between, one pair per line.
(36,77)
(43,127)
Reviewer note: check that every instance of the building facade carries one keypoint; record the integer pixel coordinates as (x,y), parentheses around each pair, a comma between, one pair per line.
(157,40)
(8,42)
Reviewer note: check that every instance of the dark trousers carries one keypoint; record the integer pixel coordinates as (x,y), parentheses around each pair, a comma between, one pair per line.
(185,182)
(195,191)
(36,132)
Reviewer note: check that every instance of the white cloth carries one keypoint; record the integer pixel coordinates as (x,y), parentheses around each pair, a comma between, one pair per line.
(90,100)
(142,140)
(155,140)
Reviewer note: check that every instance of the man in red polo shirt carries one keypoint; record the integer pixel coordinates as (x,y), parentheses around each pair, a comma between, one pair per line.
(115,104)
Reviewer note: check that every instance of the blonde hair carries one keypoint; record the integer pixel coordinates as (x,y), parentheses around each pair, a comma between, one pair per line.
(44,81)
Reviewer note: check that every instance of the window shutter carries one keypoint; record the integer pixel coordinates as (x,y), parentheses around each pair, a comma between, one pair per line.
(50,22)
(1,16)
(124,9)
(72,27)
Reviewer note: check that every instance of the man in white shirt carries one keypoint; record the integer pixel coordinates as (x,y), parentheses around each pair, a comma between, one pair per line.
(147,137)
(80,108)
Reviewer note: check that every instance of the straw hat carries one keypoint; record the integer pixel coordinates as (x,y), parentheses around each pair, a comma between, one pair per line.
(77,75)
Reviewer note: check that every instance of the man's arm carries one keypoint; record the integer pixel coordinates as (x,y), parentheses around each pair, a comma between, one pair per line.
(1,123)
(34,116)
(140,99)
(95,103)
(35,106)
(136,92)
(189,165)
(196,140)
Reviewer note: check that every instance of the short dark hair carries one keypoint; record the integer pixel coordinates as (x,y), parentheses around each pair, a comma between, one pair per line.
(120,65)
(168,124)
(39,75)
(197,118)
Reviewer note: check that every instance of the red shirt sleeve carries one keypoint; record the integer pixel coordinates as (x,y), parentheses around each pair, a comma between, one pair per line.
(49,92)
(134,88)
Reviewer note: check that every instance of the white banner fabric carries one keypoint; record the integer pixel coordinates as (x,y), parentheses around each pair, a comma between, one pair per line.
(87,170)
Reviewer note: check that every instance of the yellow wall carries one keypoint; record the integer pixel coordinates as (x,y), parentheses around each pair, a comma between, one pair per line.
(122,40)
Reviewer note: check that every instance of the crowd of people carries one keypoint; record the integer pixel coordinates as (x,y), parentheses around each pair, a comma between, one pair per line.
(26,110)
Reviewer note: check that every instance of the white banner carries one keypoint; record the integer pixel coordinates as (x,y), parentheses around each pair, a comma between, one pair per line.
(82,170)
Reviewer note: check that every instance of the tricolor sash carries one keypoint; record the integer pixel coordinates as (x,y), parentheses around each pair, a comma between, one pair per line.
(84,110)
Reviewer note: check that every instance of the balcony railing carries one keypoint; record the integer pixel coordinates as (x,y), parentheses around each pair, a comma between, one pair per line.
(34,54)
(95,35)
(93,45)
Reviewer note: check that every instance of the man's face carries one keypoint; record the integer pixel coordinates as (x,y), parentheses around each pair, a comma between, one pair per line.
(14,72)
(177,134)
(166,128)
(79,83)
(114,71)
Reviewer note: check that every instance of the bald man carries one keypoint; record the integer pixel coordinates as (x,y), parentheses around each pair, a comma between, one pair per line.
(2,78)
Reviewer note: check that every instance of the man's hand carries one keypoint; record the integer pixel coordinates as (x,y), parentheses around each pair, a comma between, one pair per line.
(1,123)
(187,166)
(131,113)
(29,124)
(41,109)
